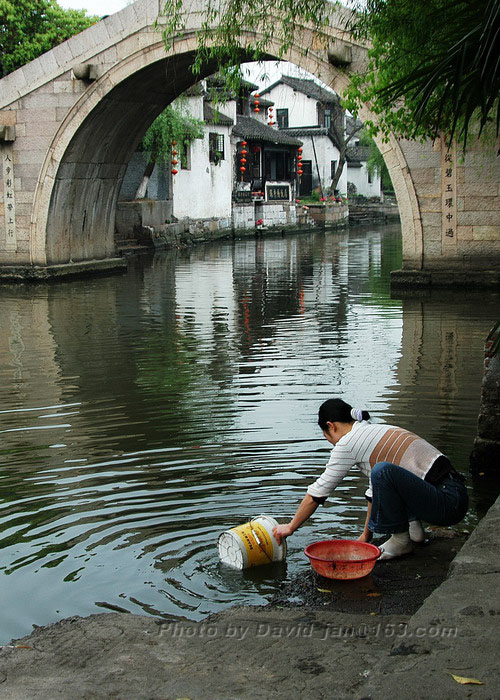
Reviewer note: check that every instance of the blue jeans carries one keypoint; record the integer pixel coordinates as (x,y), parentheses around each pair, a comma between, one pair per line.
(400,496)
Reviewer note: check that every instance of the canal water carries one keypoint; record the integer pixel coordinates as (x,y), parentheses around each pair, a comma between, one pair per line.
(141,415)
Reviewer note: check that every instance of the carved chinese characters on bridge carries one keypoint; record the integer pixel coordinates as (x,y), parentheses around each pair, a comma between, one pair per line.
(448,192)
(9,200)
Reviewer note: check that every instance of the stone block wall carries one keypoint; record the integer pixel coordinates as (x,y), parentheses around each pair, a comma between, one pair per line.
(485,456)
(329,214)
(459,199)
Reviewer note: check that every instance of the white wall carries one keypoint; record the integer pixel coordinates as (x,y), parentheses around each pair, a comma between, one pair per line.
(359,177)
(302,110)
(204,191)
(325,152)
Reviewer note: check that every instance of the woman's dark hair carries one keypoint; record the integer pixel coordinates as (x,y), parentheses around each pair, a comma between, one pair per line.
(338,410)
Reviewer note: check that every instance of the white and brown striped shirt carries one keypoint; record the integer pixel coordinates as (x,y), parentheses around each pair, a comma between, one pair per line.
(366,445)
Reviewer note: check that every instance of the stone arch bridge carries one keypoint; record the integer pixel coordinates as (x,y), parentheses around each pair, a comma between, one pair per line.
(71,119)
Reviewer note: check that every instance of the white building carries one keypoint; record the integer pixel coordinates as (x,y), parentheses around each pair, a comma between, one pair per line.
(240,174)
(313,114)
(360,179)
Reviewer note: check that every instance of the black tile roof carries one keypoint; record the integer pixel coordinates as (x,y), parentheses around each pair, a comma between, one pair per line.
(307,87)
(357,154)
(305,130)
(253,129)
(213,116)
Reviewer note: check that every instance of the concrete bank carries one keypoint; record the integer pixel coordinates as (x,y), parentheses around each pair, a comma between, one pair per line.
(272,652)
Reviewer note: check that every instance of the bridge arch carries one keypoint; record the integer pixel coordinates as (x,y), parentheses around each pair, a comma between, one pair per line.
(75,199)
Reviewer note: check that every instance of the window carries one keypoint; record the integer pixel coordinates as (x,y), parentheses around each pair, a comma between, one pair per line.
(215,147)
(185,155)
(370,176)
(333,168)
(328,118)
(282,118)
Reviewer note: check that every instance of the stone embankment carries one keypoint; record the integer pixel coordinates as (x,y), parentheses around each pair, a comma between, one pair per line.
(281,653)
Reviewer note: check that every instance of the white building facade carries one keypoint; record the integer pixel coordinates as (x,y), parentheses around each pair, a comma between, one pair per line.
(307,111)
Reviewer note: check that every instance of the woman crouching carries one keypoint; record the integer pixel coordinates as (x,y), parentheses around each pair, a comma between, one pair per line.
(410,480)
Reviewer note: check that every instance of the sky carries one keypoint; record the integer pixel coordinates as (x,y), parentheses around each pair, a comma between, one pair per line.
(95,7)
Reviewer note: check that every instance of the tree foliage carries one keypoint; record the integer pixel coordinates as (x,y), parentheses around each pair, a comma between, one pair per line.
(434,66)
(376,163)
(28,28)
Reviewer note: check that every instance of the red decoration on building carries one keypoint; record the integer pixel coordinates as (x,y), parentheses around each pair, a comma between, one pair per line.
(174,171)
(242,169)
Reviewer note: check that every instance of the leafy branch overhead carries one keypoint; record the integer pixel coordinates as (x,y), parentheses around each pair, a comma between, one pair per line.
(433,65)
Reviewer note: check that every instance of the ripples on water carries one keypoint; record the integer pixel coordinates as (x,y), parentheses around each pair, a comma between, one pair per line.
(144,414)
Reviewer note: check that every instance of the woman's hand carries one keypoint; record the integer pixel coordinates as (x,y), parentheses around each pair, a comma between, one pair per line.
(282,531)
(366,536)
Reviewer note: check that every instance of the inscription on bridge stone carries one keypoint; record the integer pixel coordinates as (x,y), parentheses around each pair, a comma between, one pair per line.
(9,199)
(448,192)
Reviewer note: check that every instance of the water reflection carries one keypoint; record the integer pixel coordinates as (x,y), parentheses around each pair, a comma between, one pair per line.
(144,414)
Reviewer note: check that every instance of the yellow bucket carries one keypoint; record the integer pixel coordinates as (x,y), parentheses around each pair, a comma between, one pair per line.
(251,544)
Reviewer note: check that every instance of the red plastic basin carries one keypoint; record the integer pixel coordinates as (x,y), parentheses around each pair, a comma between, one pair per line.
(342,559)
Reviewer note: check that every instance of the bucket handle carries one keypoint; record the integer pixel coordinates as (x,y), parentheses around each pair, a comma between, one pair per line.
(257,539)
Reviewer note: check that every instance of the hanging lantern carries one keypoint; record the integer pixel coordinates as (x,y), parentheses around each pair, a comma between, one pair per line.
(243,143)
(244,152)
(299,158)
(243,161)
(174,162)
(242,169)
(174,171)
(256,102)
(174,143)
(299,172)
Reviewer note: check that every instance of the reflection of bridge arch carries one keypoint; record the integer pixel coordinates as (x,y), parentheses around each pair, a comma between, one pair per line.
(75,137)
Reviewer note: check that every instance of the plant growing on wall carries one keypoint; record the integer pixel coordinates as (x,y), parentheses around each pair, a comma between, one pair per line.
(172,125)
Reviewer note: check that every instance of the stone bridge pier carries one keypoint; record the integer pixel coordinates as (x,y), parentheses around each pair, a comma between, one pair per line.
(71,120)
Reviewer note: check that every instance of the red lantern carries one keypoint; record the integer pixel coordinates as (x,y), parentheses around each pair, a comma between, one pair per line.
(299,172)
(174,143)
(174,153)
(299,158)
(174,162)
(299,150)
(242,169)
(243,143)
(174,171)
(243,160)
(256,109)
